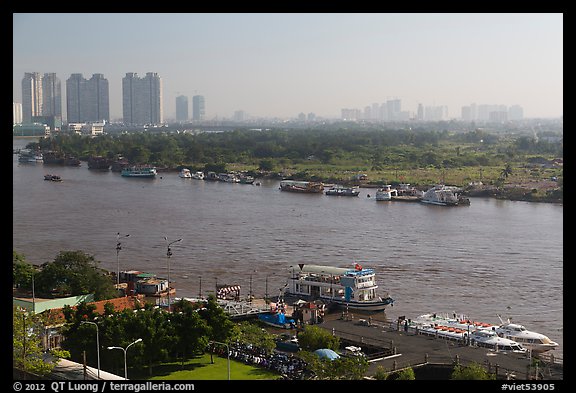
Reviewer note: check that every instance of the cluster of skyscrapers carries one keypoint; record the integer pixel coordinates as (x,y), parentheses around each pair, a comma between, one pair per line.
(391,110)
(198,108)
(492,113)
(88,100)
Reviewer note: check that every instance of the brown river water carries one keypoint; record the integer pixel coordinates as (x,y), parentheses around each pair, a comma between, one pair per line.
(492,257)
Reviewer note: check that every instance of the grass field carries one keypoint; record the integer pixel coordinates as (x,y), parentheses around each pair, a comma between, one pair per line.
(200,369)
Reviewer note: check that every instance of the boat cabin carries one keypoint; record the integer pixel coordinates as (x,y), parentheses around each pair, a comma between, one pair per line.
(327,282)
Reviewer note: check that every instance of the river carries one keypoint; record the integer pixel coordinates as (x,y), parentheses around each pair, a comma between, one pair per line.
(492,257)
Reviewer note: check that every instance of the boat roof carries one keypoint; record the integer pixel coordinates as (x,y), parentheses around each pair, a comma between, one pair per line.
(331,270)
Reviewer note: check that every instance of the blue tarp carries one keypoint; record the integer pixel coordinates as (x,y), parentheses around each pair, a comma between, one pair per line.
(326,353)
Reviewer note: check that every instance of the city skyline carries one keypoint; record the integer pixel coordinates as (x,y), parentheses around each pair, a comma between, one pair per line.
(281,65)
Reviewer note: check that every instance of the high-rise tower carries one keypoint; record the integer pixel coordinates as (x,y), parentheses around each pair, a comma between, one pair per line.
(181,108)
(51,96)
(198,108)
(87,100)
(31,96)
(142,99)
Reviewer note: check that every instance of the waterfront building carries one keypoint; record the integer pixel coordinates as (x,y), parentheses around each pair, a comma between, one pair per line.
(198,108)
(142,99)
(181,109)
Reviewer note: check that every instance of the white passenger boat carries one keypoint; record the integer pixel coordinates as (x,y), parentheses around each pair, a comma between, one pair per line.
(536,342)
(139,171)
(353,288)
(489,339)
(185,173)
(340,190)
(27,155)
(386,193)
(441,195)
(199,175)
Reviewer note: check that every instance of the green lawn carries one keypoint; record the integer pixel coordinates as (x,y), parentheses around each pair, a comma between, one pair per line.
(200,368)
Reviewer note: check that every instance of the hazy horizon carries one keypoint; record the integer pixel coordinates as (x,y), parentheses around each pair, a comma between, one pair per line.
(279,65)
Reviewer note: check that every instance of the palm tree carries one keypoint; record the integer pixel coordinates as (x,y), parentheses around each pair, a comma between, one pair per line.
(507,171)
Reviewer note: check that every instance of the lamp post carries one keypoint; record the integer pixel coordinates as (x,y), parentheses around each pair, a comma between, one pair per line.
(168,255)
(126,349)
(200,290)
(118,248)
(97,343)
(227,352)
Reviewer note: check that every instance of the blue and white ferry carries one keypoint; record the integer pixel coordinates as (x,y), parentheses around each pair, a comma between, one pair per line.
(353,288)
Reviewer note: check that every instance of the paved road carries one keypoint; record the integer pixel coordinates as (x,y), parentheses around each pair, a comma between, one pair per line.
(413,349)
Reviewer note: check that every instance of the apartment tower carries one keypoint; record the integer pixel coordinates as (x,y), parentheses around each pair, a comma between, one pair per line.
(142,99)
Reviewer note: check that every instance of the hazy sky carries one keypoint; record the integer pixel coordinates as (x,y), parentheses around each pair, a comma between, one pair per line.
(283,64)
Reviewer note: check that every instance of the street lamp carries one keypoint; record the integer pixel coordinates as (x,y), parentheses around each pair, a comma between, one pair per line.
(125,349)
(168,255)
(227,352)
(118,248)
(200,290)
(97,343)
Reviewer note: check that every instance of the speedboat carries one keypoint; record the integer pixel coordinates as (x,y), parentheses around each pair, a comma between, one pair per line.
(488,338)
(533,341)
(536,342)
(185,173)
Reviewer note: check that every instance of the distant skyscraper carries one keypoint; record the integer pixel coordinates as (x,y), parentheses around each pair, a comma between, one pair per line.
(393,109)
(98,98)
(420,115)
(87,100)
(31,96)
(142,99)
(466,113)
(198,108)
(515,112)
(182,108)
(51,96)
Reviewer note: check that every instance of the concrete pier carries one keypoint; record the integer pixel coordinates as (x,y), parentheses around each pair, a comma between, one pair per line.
(402,349)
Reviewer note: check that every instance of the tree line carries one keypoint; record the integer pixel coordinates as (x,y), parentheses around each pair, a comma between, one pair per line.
(277,147)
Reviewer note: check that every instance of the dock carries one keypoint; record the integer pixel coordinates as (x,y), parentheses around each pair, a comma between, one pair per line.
(398,349)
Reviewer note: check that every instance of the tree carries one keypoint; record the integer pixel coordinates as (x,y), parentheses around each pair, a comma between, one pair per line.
(314,337)
(266,165)
(74,273)
(507,171)
(27,350)
(406,374)
(221,327)
(348,368)
(22,271)
(473,371)
(256,336)
(191,330)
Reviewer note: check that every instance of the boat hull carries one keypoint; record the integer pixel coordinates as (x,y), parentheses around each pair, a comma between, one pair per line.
(373,306)
(430,202)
